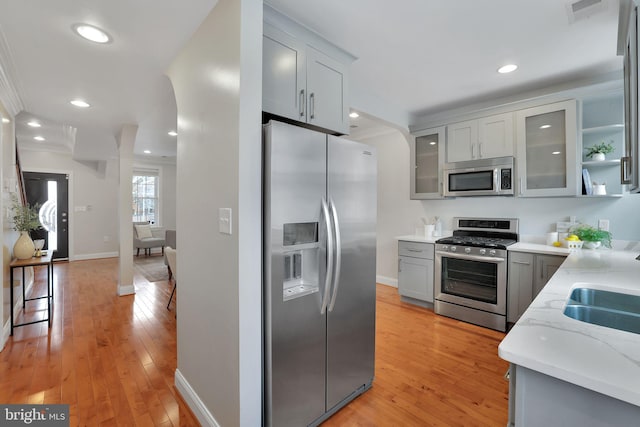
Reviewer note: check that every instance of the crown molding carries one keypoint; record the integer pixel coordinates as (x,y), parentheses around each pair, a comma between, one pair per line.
(9,95)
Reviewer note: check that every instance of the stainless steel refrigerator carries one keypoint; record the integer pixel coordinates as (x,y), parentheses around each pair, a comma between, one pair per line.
(319,273)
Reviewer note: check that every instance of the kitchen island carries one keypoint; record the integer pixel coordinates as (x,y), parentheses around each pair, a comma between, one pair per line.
(568,372)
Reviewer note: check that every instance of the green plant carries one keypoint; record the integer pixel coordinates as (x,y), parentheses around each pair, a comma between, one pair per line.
(25,217)
(603,147)
(588,233)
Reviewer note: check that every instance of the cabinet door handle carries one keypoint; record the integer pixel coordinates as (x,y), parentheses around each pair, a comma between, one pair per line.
(399,265)
(302,102)
(312,105)
(625,167)
(473,151)
(521,182)
(414,250)
(521,262)
(480,149)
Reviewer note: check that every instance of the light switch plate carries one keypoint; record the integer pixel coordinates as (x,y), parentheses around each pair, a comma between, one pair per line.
(224,220)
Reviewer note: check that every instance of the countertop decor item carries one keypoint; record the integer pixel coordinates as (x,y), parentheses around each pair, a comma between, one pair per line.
(25,219)
(597,152)
(589,235)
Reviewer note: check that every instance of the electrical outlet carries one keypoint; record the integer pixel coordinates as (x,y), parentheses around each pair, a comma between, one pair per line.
(603,224)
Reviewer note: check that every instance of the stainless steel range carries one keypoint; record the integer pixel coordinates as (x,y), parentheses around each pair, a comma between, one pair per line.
(471,271)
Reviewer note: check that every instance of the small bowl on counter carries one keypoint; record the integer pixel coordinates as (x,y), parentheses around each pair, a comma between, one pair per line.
(572,244)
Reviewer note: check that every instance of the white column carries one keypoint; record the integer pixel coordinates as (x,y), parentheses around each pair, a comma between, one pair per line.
(125,141)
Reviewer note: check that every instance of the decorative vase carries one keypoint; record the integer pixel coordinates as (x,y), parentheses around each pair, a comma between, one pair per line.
(24,247)
(598,157)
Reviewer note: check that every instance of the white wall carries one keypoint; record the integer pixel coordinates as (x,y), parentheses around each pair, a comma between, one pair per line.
(217,81)
(98,188)
(398,215)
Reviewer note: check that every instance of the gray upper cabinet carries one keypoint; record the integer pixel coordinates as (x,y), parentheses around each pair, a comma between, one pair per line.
(283,74)
(482,138)
(427,154)
(547,150)
(303,84)
(326,92)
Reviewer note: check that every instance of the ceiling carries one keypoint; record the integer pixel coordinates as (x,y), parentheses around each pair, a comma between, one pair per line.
(416,57)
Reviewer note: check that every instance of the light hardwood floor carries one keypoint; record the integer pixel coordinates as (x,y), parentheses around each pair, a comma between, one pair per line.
(113,359)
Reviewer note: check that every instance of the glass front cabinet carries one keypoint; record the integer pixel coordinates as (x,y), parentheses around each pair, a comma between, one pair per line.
(427,154)
(547,150)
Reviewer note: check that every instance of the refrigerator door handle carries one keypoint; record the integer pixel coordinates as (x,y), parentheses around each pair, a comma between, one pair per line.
(329,274)
(338,244)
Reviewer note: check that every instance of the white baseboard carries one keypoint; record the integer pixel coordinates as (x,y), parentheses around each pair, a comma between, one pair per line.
(389,281)
(126,290)
(193,401)
(84,257)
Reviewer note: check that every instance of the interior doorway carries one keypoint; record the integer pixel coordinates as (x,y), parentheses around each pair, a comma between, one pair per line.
(50,191)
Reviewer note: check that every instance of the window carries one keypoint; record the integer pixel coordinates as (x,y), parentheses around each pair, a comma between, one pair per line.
(145,196)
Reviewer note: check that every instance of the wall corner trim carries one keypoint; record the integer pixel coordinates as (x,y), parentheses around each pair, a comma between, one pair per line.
(6,332)
(193,401)
(126,290)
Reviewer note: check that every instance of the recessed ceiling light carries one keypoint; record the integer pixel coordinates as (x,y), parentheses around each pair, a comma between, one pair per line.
(173,133)
(147,151)
(432,143)
(5,120)
(507,68)
(80,103)
(354,115)
(556,152)
(545,126)
(38,138)
(91,33)
(34,124)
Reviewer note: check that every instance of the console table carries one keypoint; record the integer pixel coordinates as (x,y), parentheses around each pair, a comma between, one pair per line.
(46,261)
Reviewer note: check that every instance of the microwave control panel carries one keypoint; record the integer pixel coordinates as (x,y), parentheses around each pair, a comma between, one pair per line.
(505,179)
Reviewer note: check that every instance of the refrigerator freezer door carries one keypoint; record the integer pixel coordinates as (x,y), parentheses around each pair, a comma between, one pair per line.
(295,329)
(351,184)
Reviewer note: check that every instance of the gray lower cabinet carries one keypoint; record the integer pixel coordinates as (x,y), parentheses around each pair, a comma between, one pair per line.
(536,399)
(415,270)
(528,273)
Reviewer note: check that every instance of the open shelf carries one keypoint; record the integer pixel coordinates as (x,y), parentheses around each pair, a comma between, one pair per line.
(602,196)
(602,163)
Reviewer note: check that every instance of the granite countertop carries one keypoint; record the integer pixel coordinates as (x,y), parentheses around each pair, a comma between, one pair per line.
(601,359)
(538,248)
(420,239)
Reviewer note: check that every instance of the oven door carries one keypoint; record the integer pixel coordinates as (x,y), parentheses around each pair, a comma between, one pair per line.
(472,281)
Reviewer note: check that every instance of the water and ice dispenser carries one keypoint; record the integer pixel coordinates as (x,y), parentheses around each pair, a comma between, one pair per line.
(301,260)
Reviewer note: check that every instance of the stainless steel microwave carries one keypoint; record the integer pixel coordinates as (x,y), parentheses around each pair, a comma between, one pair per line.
(481,177)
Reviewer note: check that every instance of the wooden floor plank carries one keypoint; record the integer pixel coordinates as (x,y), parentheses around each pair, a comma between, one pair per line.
(430,371)
(111,358)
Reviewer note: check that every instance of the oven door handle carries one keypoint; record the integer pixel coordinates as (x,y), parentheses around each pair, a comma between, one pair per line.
(470,257)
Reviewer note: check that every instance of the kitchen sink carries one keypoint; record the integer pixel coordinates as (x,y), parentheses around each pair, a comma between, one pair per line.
(605,308)
(606,299)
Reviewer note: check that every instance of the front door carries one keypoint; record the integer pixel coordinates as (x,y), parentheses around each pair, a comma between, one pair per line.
(50,191)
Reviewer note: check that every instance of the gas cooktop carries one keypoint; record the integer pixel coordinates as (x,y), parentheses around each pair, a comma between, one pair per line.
(477,241)
(493,233)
